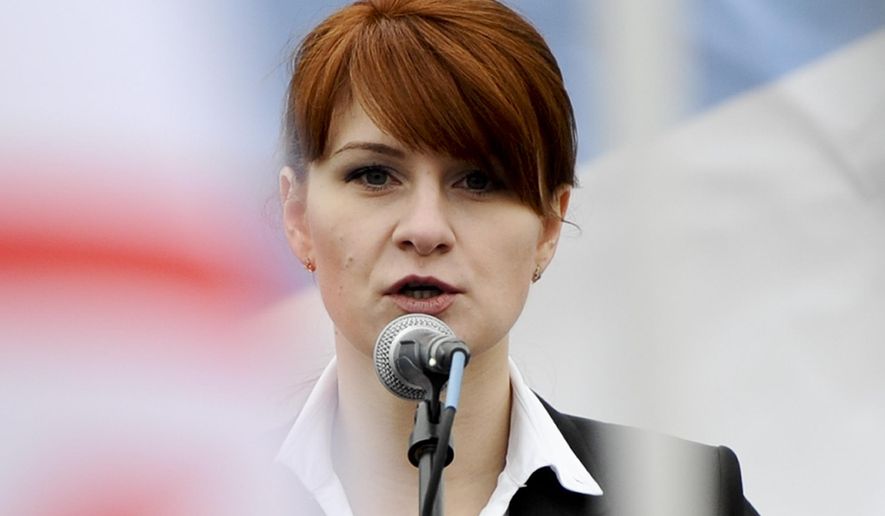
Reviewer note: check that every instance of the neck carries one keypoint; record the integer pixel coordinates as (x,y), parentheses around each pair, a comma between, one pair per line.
(372,430)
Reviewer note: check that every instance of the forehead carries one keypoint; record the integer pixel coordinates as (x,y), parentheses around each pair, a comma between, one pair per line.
(353,131)
(350,126)
(350,122)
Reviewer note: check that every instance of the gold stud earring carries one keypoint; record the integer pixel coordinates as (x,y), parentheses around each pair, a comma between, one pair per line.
(537,274)
(309,265)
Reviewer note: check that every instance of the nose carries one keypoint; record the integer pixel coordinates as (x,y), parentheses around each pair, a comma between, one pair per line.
(424,226)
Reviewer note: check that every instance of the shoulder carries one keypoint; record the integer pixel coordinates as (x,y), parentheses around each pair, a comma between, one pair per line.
(638,470)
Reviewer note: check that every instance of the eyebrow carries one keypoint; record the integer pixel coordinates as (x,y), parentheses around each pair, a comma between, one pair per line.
(378,148)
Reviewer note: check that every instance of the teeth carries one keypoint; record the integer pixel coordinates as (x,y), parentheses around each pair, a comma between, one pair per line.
(416,291)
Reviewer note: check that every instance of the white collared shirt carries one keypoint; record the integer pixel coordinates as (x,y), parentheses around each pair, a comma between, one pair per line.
(534,443)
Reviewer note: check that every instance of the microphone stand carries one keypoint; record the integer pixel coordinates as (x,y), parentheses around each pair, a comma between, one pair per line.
(433,426)
(422,446)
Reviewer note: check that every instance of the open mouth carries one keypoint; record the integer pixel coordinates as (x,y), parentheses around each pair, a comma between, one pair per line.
(421,287)
(422,294)
(420,290)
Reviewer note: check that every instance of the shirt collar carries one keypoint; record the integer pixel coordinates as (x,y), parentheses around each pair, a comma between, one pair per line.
(307,450)
(535,442)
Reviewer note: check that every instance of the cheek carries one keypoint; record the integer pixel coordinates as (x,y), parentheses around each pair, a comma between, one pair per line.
(508,250)
(337,251)
(335,242)
(346,247)
(503,259)
(517,261)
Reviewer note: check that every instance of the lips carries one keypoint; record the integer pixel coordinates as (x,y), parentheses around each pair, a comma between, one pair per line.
(422,294)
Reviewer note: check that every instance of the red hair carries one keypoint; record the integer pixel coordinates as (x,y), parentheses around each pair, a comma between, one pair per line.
(467,78)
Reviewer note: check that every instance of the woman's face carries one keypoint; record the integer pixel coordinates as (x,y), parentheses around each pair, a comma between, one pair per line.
(394,231)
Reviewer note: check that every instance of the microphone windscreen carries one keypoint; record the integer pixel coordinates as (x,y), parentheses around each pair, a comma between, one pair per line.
(387,347)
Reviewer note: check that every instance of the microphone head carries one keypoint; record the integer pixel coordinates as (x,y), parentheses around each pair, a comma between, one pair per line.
(387,351)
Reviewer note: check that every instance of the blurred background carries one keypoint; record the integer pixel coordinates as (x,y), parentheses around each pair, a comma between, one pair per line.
(726,283)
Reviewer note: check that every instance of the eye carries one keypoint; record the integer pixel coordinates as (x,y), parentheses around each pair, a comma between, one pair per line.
(373,177)
(376,177)
(478,182)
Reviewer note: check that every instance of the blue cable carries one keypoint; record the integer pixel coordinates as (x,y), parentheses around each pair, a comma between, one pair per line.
(453,394)
(456,374)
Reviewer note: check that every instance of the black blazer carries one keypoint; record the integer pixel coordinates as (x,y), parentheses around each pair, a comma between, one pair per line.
(641,474)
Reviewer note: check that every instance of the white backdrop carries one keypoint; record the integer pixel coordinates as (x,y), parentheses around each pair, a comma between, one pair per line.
(728,286)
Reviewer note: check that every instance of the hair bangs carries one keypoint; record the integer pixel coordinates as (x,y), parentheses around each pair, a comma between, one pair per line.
(433,89)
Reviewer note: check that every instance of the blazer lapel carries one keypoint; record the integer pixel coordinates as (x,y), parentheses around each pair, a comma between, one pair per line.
(544,495)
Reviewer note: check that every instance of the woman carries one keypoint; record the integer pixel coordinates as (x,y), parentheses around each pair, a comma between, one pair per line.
(431,152)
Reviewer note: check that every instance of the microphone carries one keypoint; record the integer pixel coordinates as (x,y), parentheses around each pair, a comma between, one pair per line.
(413,355)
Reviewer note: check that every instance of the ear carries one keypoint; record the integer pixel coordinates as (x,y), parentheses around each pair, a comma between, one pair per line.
(293,197)
(552,227)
